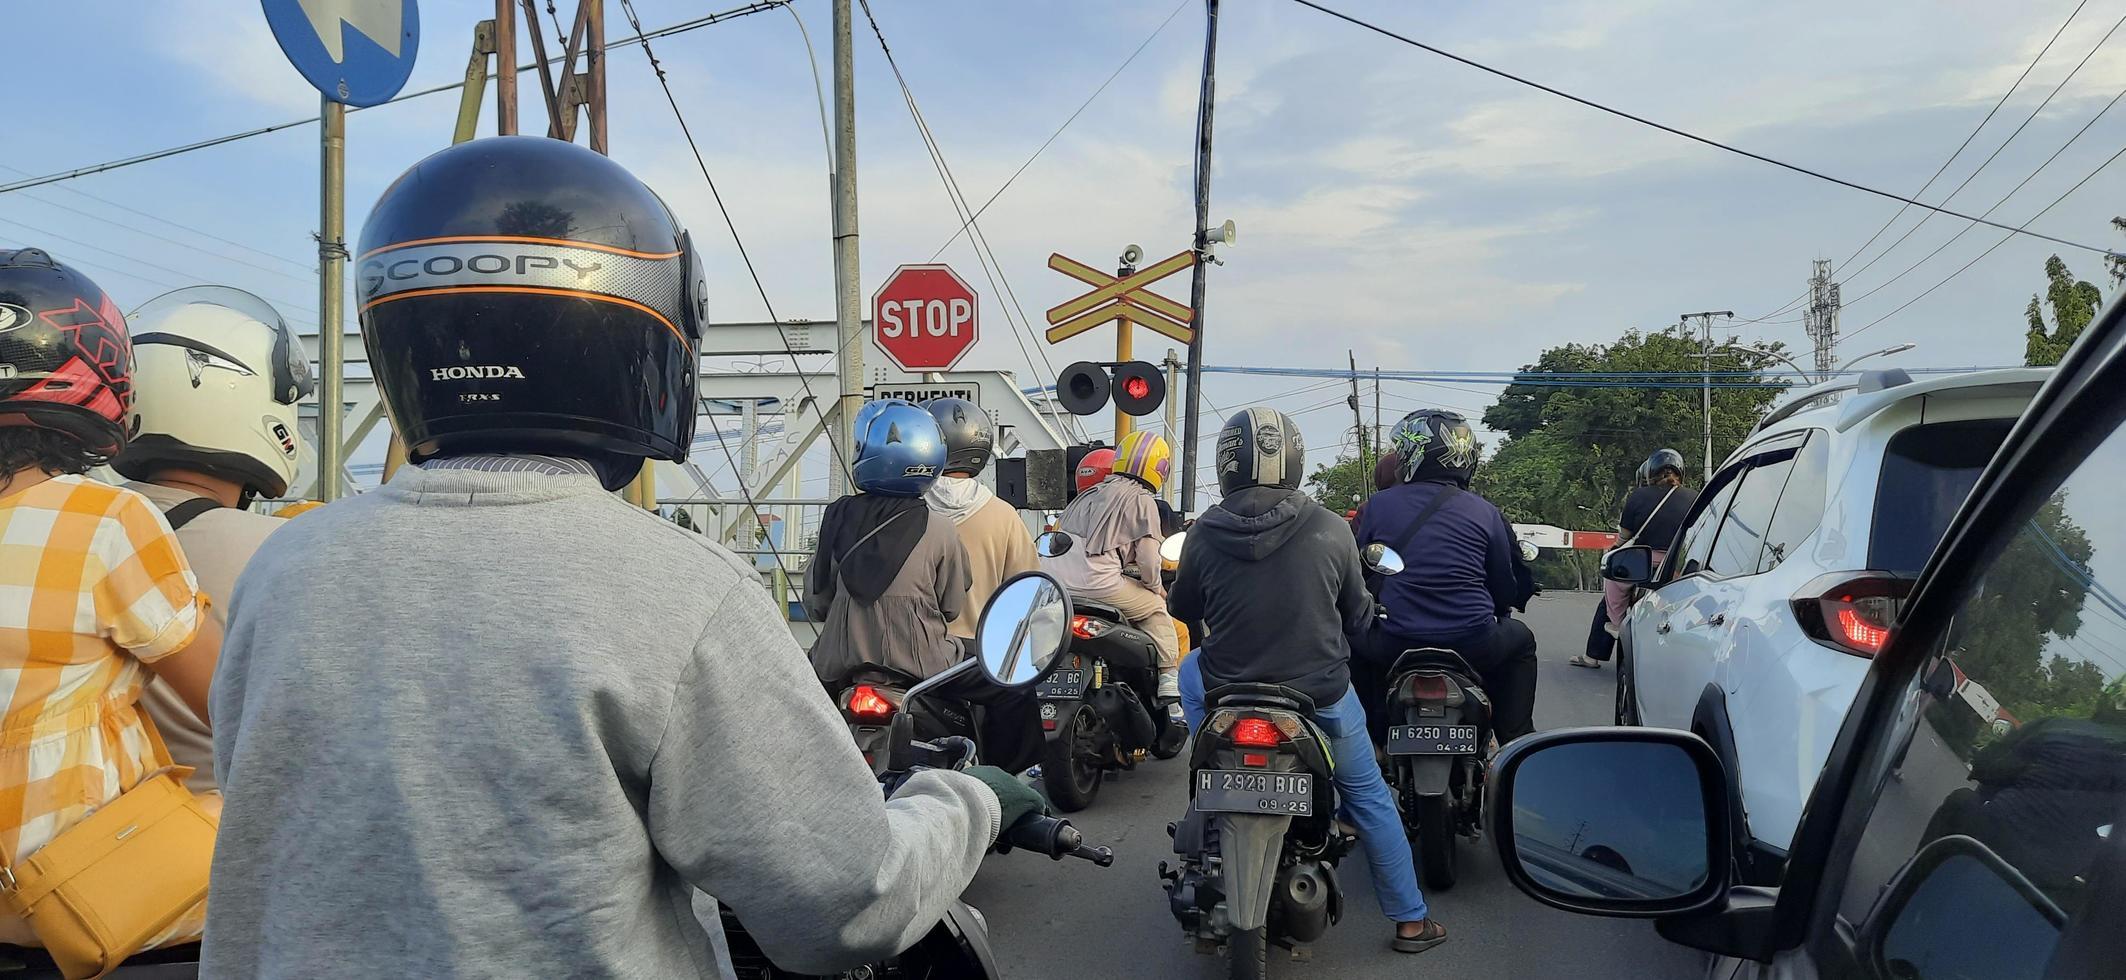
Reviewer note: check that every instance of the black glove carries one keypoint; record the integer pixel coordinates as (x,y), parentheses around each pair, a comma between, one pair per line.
(1016,799)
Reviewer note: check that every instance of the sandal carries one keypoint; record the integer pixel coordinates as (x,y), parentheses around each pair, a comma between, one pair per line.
(1581,660)
(1431,935)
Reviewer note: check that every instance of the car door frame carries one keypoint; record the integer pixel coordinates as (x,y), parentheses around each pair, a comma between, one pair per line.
(2083,404)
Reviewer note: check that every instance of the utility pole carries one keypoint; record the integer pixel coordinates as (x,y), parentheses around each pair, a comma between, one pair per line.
(848,294)
(332,273)
(1173,375)
(1358,427)
(1376,412)
(1705,355)
(1203,219)
(1820,317)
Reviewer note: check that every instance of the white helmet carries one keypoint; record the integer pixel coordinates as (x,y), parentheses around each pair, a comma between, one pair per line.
(216,375)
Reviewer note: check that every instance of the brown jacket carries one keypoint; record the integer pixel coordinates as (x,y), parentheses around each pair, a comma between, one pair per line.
(998,547)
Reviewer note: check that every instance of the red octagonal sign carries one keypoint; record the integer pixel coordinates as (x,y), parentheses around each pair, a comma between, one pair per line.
(925,317)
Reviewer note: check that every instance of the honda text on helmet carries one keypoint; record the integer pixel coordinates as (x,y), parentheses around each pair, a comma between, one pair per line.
(1435,443)
(65,361)
(218,375)
(1095,466)
(1145,456)
(968,437)
(523,294)
(899,451)
(1259,447)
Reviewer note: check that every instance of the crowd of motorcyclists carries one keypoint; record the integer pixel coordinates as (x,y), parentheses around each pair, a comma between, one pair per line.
(490,720)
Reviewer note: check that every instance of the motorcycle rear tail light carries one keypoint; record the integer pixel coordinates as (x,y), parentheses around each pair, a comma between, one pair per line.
(1851,612)
(1256,733)
(1430,689)
(1087,628)
(866,704)
(1254,760)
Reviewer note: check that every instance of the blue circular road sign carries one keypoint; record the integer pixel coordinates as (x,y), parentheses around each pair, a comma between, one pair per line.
(355,51)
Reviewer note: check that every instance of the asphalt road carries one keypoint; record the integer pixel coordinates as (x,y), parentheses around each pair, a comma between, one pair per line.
(1053,921)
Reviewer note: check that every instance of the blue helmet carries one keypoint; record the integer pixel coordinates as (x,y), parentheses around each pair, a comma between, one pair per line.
(899,450)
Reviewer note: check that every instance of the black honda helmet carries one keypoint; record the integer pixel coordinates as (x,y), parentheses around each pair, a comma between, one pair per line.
(1662,459)
(523,294)
(66,360)
(1435,443)
(1259,447)
(968,437)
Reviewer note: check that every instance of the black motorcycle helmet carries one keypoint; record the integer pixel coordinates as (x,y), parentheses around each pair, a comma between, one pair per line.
(968,437)
(1435,443)
(1662,459)
(523,294)
(1260,447)
(66,359)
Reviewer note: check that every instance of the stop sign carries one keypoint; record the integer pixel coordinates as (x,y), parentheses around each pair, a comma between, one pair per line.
(925,317)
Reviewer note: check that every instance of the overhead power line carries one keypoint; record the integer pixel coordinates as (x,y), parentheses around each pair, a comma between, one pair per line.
(640,37)
(1694,137)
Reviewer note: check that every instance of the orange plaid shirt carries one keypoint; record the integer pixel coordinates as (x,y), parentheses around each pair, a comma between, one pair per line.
(92,585)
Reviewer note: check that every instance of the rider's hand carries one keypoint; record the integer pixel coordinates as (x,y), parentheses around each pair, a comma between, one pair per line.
(1017,799)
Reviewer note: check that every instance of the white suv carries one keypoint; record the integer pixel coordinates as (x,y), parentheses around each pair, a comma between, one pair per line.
(1758,628)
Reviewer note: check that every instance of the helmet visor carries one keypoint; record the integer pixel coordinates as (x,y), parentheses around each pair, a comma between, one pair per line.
(289,367)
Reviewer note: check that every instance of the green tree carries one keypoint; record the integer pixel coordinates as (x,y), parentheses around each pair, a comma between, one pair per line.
(2115,265)
(1341,485)
(2074,303)
(2033,593)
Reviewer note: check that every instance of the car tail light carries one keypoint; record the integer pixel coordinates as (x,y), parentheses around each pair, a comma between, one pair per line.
(1852,612)
(866,704)
(1087,628)
(1256,733)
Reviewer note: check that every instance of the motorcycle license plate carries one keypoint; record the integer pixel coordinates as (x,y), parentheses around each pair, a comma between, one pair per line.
(1232,791)
(1432,740)
(1063,685)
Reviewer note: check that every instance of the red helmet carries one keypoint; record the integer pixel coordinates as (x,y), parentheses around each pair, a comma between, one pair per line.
(1094,467)
(66,361)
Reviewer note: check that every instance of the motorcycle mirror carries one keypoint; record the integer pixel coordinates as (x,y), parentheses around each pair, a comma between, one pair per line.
(1053,544)
(1170,549)
(1528,550)
(1382,559)
(1024,630)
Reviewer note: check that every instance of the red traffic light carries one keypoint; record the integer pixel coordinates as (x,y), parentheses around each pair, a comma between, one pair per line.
(1139,388)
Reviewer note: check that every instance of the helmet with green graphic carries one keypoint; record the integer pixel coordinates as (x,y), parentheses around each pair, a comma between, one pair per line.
(1435,444)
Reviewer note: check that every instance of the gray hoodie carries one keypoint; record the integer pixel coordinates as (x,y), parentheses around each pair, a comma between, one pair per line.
(481,724)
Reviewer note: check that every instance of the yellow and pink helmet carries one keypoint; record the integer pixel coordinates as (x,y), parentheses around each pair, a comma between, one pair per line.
(1146,456)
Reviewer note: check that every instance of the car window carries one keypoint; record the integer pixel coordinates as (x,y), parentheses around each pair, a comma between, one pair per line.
(1800,504)
(1740,538)
(2014,736)
(1697,539)
(1927,471)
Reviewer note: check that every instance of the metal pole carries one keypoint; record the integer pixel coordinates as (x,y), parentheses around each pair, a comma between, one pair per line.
(331,271)
(505,68)
(1125,351)
(1196,286)
(848,295)
(1358,428)
(1173,398)
(1376,412)
(1705,355)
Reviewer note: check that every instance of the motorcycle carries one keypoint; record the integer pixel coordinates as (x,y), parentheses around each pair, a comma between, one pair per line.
(1020,638)
(1100,710)
(1439,751)
(1259,845)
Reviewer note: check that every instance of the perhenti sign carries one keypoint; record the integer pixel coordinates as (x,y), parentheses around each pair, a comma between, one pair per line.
(920,393)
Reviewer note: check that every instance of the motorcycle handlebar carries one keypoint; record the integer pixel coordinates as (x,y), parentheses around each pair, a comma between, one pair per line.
(1055,837)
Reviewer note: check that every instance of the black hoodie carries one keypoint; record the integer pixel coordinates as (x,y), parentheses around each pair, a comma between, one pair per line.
(1275,580)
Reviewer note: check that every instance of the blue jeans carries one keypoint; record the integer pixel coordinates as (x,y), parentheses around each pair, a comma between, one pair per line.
(1362,795)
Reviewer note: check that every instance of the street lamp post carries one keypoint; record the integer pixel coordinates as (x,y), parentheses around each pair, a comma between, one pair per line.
(1805,376)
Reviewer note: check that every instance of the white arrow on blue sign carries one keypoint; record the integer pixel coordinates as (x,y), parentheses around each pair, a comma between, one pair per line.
(355,51)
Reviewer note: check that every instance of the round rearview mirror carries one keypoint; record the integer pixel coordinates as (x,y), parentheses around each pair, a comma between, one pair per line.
(1528,550)
(1382,559)
(1053,544)
(1170,549)
(1023,630)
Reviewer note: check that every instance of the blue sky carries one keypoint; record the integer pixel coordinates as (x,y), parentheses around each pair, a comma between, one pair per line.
(1425,214)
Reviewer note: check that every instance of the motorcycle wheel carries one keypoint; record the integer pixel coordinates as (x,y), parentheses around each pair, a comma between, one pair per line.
(1435,841)
(1247,954)
(1070,762)
(1627,708)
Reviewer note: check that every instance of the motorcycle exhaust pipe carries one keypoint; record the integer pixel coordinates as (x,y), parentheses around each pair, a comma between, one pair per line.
(1304,895)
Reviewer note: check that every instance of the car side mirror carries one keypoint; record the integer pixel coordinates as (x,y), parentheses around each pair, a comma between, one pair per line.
(1053,544)
(1925,916)
(1627,822)
(1632,564)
